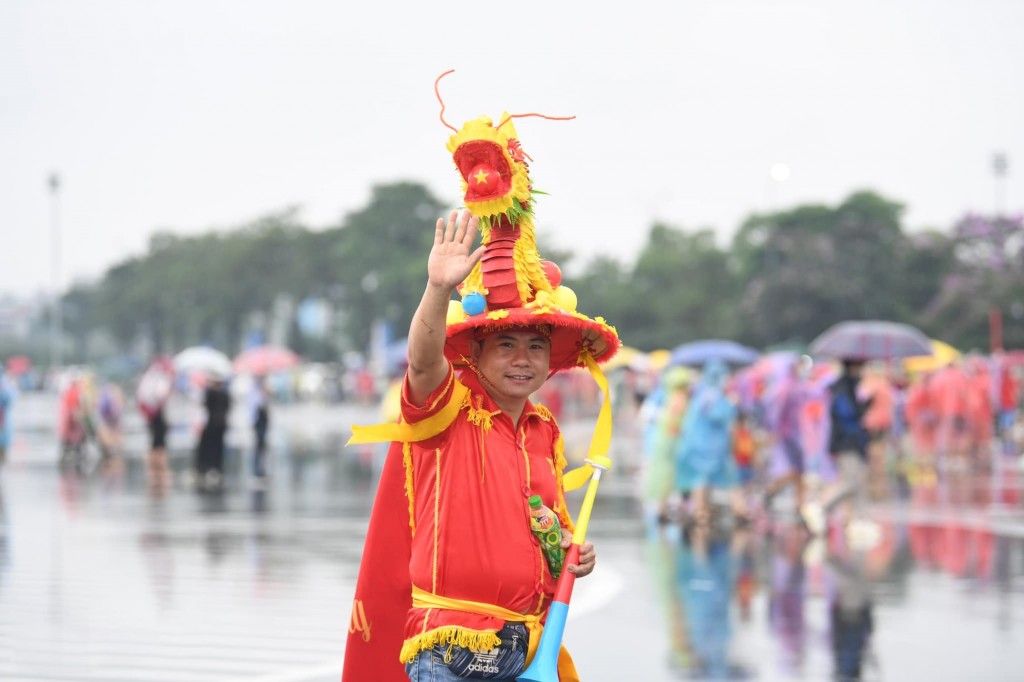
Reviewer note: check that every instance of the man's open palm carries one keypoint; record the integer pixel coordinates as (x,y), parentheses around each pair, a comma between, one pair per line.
(451,259)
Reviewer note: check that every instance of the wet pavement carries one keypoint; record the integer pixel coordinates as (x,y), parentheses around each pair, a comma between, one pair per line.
(101,579)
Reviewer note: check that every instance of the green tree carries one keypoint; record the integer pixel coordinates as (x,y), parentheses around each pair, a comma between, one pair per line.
(987,275)
(379,259)
(812,266)
(681,289)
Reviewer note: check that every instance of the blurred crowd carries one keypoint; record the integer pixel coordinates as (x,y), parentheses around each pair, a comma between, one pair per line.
(836,434)
(196,396)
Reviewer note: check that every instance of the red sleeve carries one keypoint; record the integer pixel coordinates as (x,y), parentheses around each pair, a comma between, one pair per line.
(440,397)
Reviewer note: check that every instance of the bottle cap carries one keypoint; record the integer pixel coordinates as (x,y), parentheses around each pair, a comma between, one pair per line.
(536,501)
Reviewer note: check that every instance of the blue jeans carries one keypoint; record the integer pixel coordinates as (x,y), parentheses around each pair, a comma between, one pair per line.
(429,666)
(502,663)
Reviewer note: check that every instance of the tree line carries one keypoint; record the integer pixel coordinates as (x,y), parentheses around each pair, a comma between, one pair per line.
(784,278)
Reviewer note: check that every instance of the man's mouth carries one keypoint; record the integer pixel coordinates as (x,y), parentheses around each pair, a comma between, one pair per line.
(519,377)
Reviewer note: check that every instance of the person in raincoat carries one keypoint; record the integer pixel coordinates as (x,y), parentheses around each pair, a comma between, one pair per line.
(704,456)
(7,394)
(666,406)
(784,405)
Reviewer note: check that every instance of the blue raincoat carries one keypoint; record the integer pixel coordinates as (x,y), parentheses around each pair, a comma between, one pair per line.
(704,456)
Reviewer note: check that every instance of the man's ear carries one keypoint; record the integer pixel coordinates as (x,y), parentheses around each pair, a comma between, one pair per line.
(475,346)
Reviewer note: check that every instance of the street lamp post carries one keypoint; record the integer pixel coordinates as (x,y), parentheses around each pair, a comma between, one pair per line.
(1000,166)
(57,311)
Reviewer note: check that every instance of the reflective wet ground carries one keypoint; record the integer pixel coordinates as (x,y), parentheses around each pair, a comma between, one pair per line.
(102,579)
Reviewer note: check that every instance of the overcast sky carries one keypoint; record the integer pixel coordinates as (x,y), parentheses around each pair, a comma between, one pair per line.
(200,114)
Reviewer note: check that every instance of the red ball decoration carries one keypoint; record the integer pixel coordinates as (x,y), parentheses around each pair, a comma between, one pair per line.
(552,272)
(483,179)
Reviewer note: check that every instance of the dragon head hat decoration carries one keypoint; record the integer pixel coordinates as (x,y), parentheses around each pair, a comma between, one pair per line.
(511,286)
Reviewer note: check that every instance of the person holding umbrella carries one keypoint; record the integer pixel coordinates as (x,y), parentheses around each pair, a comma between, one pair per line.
(848,443)
(210,449)
(854,342)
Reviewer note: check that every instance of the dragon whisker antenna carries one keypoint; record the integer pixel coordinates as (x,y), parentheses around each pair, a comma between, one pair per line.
(438,94)
(550,118)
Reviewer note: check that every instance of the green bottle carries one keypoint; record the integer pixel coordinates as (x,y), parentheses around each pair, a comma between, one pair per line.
(545,526)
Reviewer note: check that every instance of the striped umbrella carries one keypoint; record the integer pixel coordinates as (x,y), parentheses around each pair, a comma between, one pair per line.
(871,340)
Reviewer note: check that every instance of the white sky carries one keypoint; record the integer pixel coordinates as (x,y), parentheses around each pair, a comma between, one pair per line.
(199,114)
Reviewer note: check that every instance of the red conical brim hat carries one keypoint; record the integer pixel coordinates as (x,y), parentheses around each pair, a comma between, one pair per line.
(570,334)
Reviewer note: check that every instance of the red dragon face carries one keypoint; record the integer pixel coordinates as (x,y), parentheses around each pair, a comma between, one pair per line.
(484,168)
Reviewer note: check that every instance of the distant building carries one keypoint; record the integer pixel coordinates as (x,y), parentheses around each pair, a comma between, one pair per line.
(18,316)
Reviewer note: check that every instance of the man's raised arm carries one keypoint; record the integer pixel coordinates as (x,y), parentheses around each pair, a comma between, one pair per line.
(451,260)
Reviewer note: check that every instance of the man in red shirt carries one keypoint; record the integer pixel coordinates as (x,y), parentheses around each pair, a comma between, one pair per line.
(453,582)
(492,469)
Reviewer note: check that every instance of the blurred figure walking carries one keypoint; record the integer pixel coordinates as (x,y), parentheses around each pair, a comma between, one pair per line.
(151,395)
(7,397)
(259,417)
(108,433)
(849,439)
(704,457)
(75,422)
(664,409)
(784,404)
(210,450)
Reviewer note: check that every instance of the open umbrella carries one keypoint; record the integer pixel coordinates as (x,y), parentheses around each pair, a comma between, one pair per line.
(657,360)
(696,353)
(942,354)
(203,359)
(626,357)
(18,364)
(261,360)
(871,340)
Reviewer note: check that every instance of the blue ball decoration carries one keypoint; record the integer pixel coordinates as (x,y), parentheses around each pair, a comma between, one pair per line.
(474,303)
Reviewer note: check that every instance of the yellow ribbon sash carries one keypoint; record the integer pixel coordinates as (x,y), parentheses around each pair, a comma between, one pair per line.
(412,433)
(403,432)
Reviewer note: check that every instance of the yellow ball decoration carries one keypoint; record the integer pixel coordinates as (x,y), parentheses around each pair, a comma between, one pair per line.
(455,313)
(565,299)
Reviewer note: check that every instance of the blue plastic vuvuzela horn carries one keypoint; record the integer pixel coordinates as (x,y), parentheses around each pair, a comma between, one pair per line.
(544,666)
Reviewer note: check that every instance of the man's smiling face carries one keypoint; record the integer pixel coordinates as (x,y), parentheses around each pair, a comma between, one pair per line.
(514,363)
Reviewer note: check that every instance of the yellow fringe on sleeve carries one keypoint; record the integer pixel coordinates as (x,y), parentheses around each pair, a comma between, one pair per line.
(482,419)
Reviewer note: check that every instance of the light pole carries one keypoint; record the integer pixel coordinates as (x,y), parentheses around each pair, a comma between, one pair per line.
(57,311)
(1000,166)
(777,174)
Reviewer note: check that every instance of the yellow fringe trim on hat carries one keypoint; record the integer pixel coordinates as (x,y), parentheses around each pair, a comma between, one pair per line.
(451,634)
(498,314)
(474,283)
(530,277)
